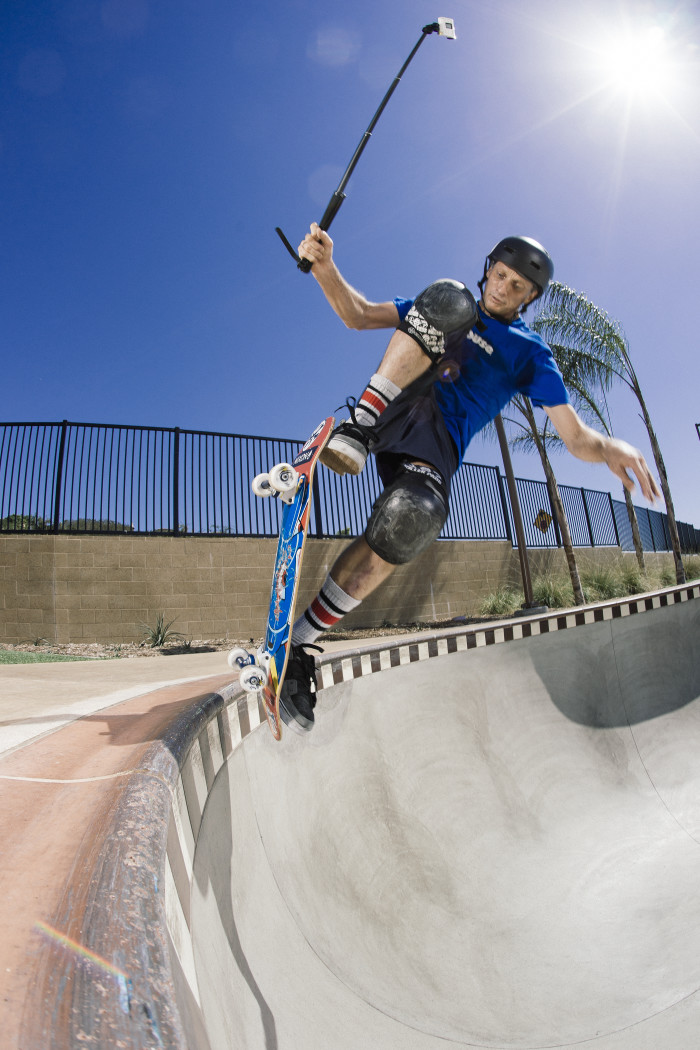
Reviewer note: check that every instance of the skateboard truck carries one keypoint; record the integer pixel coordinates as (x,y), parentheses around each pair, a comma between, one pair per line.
(282,482)
(253,668)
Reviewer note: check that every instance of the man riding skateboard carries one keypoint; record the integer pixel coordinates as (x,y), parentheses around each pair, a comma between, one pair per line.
(450,367)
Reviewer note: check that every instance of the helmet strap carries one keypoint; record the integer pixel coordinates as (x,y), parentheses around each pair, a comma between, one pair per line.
(482,282)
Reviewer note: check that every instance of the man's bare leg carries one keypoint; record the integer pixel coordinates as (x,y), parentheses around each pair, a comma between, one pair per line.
(354,576)
(404,361)
(359,571)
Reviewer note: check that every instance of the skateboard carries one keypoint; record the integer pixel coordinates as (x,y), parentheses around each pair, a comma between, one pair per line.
(263,672)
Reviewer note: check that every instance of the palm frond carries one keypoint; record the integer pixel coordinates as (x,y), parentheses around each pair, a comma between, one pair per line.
(589,409)
(531,432)
(526,442)
(589,346)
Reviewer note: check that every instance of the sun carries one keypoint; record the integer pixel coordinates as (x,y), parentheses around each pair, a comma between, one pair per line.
(638,61)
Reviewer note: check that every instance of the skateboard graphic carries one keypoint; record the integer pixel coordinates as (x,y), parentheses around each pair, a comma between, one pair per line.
(263,672)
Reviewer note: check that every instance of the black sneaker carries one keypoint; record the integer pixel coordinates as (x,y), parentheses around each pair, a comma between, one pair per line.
(298,696)
(349,446)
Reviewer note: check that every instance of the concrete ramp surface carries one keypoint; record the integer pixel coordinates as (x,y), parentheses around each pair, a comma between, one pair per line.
(497,847)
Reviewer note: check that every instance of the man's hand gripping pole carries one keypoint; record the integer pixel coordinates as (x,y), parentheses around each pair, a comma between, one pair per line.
(443,27)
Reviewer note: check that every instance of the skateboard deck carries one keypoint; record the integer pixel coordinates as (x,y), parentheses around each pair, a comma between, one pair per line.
(274,652)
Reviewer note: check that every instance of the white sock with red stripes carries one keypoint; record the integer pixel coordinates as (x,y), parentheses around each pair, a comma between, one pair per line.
(327,608)
(380,392)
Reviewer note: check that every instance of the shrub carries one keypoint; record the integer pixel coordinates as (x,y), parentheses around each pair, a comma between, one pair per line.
(632,580)
(552,591)
(501,603)
(23,522)
(161,633)
(692,568)
(601,584)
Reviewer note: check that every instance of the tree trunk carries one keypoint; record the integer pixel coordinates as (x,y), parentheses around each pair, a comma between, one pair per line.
(566,542)
(665,488)
(555,496)
(636,536)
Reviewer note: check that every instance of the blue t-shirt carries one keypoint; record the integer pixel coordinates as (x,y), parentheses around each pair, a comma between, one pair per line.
(480,373)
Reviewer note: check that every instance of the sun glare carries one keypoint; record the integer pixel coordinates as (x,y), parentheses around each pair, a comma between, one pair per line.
(639,61)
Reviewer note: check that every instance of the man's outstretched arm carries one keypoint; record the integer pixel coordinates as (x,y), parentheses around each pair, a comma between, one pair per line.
(351,306)
(587,444)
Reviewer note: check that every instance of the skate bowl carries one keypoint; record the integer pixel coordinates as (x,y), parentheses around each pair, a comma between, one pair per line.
(491,839)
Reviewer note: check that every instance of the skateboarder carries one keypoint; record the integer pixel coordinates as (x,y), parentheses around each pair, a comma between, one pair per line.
(449,369)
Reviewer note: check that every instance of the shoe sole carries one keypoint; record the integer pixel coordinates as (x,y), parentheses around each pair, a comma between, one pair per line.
(295,721)
(346,461)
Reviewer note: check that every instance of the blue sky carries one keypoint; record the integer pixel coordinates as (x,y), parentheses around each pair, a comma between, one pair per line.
(148,148)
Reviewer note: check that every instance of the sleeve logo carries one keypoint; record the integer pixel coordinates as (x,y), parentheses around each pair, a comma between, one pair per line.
(480,341)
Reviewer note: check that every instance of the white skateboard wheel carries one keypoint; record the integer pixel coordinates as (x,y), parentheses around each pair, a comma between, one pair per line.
(261,485)
(283,478)
(239,658)
(252,678)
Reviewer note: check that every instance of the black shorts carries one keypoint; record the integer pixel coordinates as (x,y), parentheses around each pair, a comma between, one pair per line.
(412,428)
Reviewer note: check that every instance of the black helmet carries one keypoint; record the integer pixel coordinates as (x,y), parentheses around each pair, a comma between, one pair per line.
(526,256)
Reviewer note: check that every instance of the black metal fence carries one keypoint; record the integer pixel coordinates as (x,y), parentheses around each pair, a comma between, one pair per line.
(90,478)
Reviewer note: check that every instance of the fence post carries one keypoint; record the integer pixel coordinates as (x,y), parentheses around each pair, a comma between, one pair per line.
(614,520)
(316,505)
(555,520)
(588,517)
(59,475)
(504,506)
(176,482)
(651,530)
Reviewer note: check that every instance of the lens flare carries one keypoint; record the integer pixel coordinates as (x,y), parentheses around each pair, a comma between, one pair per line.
(81,951)
(449,372)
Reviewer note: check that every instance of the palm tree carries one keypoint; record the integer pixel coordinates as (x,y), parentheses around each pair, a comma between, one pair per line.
(594,351)
(541,439)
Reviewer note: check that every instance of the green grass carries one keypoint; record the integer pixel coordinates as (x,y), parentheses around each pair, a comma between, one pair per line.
(9,657)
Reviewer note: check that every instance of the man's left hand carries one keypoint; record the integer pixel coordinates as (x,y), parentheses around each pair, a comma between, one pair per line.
(622,458)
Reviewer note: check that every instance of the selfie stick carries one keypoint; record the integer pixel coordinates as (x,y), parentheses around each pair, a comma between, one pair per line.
(443,27)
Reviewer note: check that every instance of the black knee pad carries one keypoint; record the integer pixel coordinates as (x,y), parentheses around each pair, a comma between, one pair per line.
(444,307)
(408,515)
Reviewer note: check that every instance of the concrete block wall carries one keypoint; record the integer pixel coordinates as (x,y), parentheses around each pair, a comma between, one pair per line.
(104,588)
